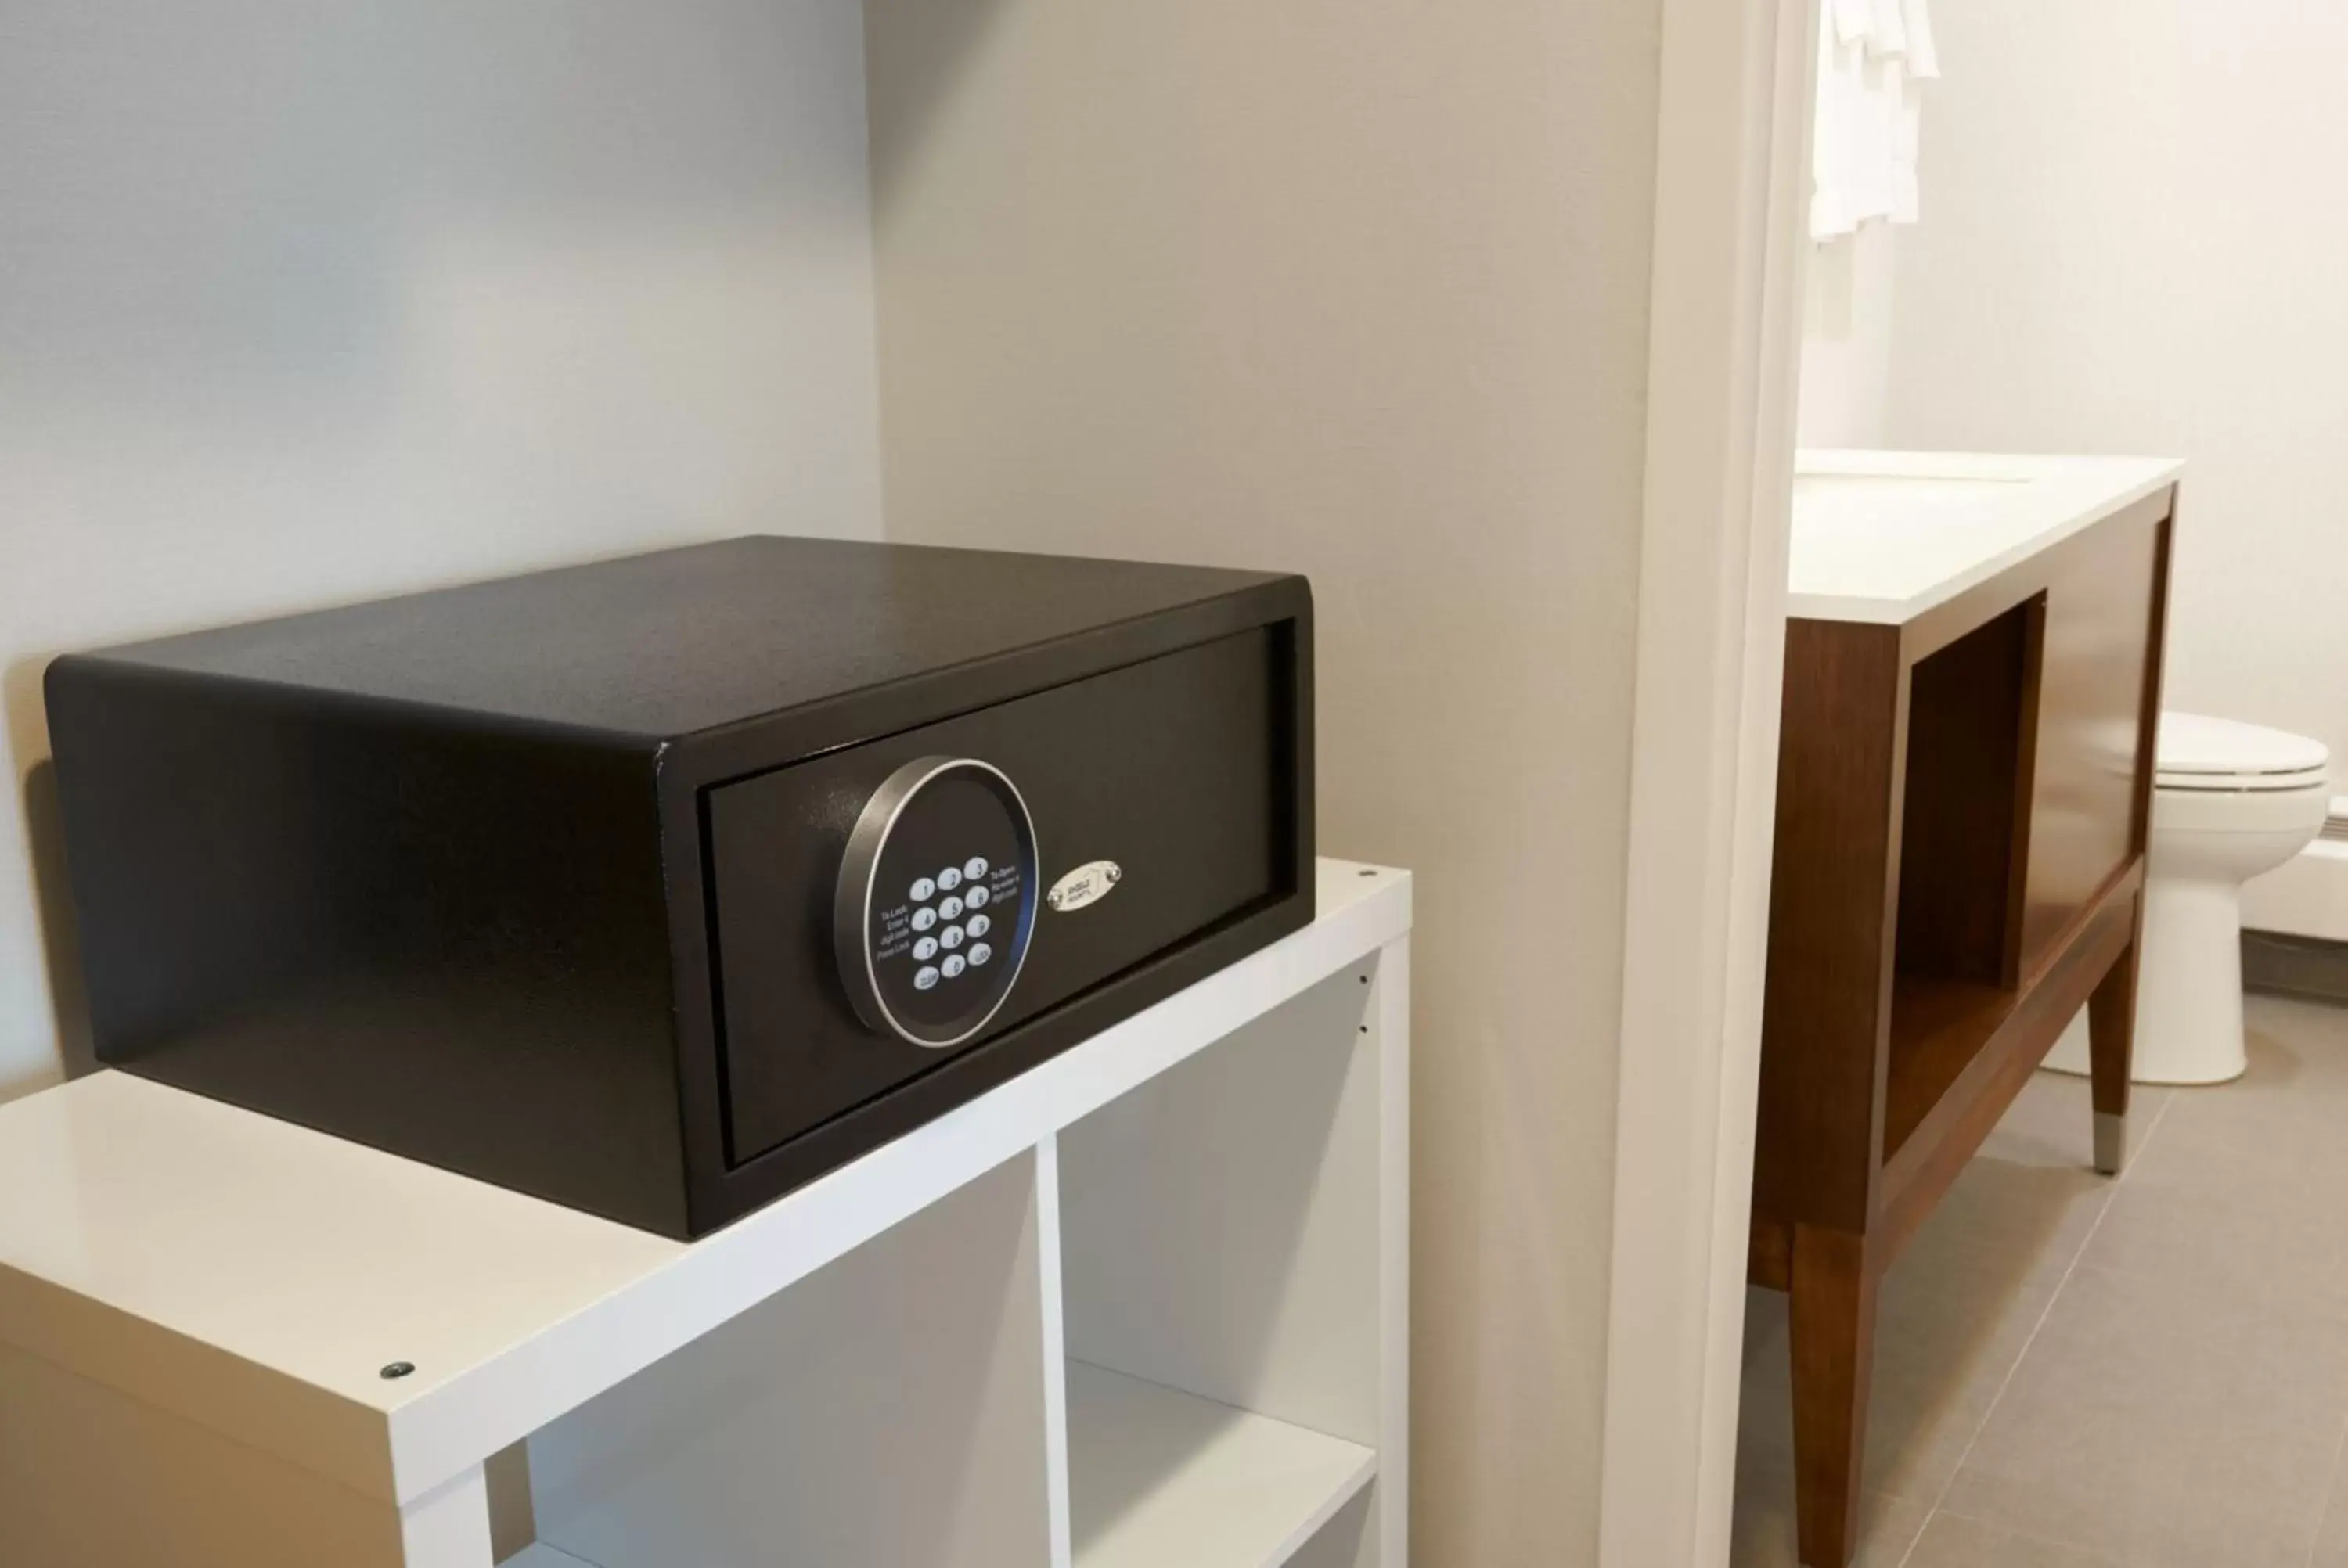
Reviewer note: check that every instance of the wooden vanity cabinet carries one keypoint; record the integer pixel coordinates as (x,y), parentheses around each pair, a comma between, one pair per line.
(1962,804)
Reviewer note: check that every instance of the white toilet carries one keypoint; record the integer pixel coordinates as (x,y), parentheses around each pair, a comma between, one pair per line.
(2231,800)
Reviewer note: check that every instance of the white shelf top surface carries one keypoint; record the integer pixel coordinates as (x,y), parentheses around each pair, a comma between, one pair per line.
(1162,1479)
(1883,537)
(256,1275)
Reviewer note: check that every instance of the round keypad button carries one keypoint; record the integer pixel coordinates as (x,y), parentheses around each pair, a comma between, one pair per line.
(980,925)
(923,888)
(925,917)
(980,952)
(926,977)
(977,896)
(949,879)
(950,910)
(951,937)
(973,868)
(952,966)
(925,949)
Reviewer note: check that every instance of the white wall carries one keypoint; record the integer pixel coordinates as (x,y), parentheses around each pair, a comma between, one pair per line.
(306,304)
(1357,288)
(2135,241)
(1847,339)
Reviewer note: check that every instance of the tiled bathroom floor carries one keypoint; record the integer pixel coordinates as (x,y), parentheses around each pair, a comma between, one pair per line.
(2073,1372)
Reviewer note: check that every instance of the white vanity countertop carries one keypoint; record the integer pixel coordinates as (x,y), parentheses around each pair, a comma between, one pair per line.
(1883,537)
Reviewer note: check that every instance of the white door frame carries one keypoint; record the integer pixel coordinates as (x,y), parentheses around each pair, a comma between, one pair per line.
(1731,199)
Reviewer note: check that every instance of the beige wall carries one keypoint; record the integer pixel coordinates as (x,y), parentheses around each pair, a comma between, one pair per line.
(307,304)
(1359,288)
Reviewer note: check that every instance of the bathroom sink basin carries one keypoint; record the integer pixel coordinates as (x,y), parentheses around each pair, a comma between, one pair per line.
(1883,537)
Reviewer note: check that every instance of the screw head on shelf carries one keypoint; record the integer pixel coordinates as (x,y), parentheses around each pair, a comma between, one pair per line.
(397,1370)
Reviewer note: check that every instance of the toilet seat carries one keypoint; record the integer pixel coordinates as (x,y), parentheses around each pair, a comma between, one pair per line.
(2297,813)
(2199,754)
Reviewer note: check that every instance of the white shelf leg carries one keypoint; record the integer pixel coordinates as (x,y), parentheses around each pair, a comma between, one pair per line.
(1056,1355)
(1390,1020)
(449,1527)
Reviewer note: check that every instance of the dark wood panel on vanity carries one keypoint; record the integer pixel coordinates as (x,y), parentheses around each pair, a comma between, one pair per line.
(2100,606)
(1961,809)
(1833,892)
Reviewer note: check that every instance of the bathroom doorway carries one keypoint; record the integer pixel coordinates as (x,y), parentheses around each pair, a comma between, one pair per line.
(2053,236)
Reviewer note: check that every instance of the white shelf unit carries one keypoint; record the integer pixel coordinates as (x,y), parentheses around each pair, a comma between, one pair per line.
(1144,1305)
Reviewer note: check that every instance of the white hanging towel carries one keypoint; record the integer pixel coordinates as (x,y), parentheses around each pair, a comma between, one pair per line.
(1906,198)
(1875,168)
(1871,54)
(1829,141)
(1922,57)
(1888,37)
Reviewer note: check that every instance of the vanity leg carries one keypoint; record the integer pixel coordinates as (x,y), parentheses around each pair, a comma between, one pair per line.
(2111,1046)
(1832,1329)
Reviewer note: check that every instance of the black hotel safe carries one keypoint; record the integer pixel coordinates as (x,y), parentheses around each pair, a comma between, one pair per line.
(660,885)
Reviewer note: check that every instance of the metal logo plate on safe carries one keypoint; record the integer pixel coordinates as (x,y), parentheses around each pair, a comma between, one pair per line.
(1088,884)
